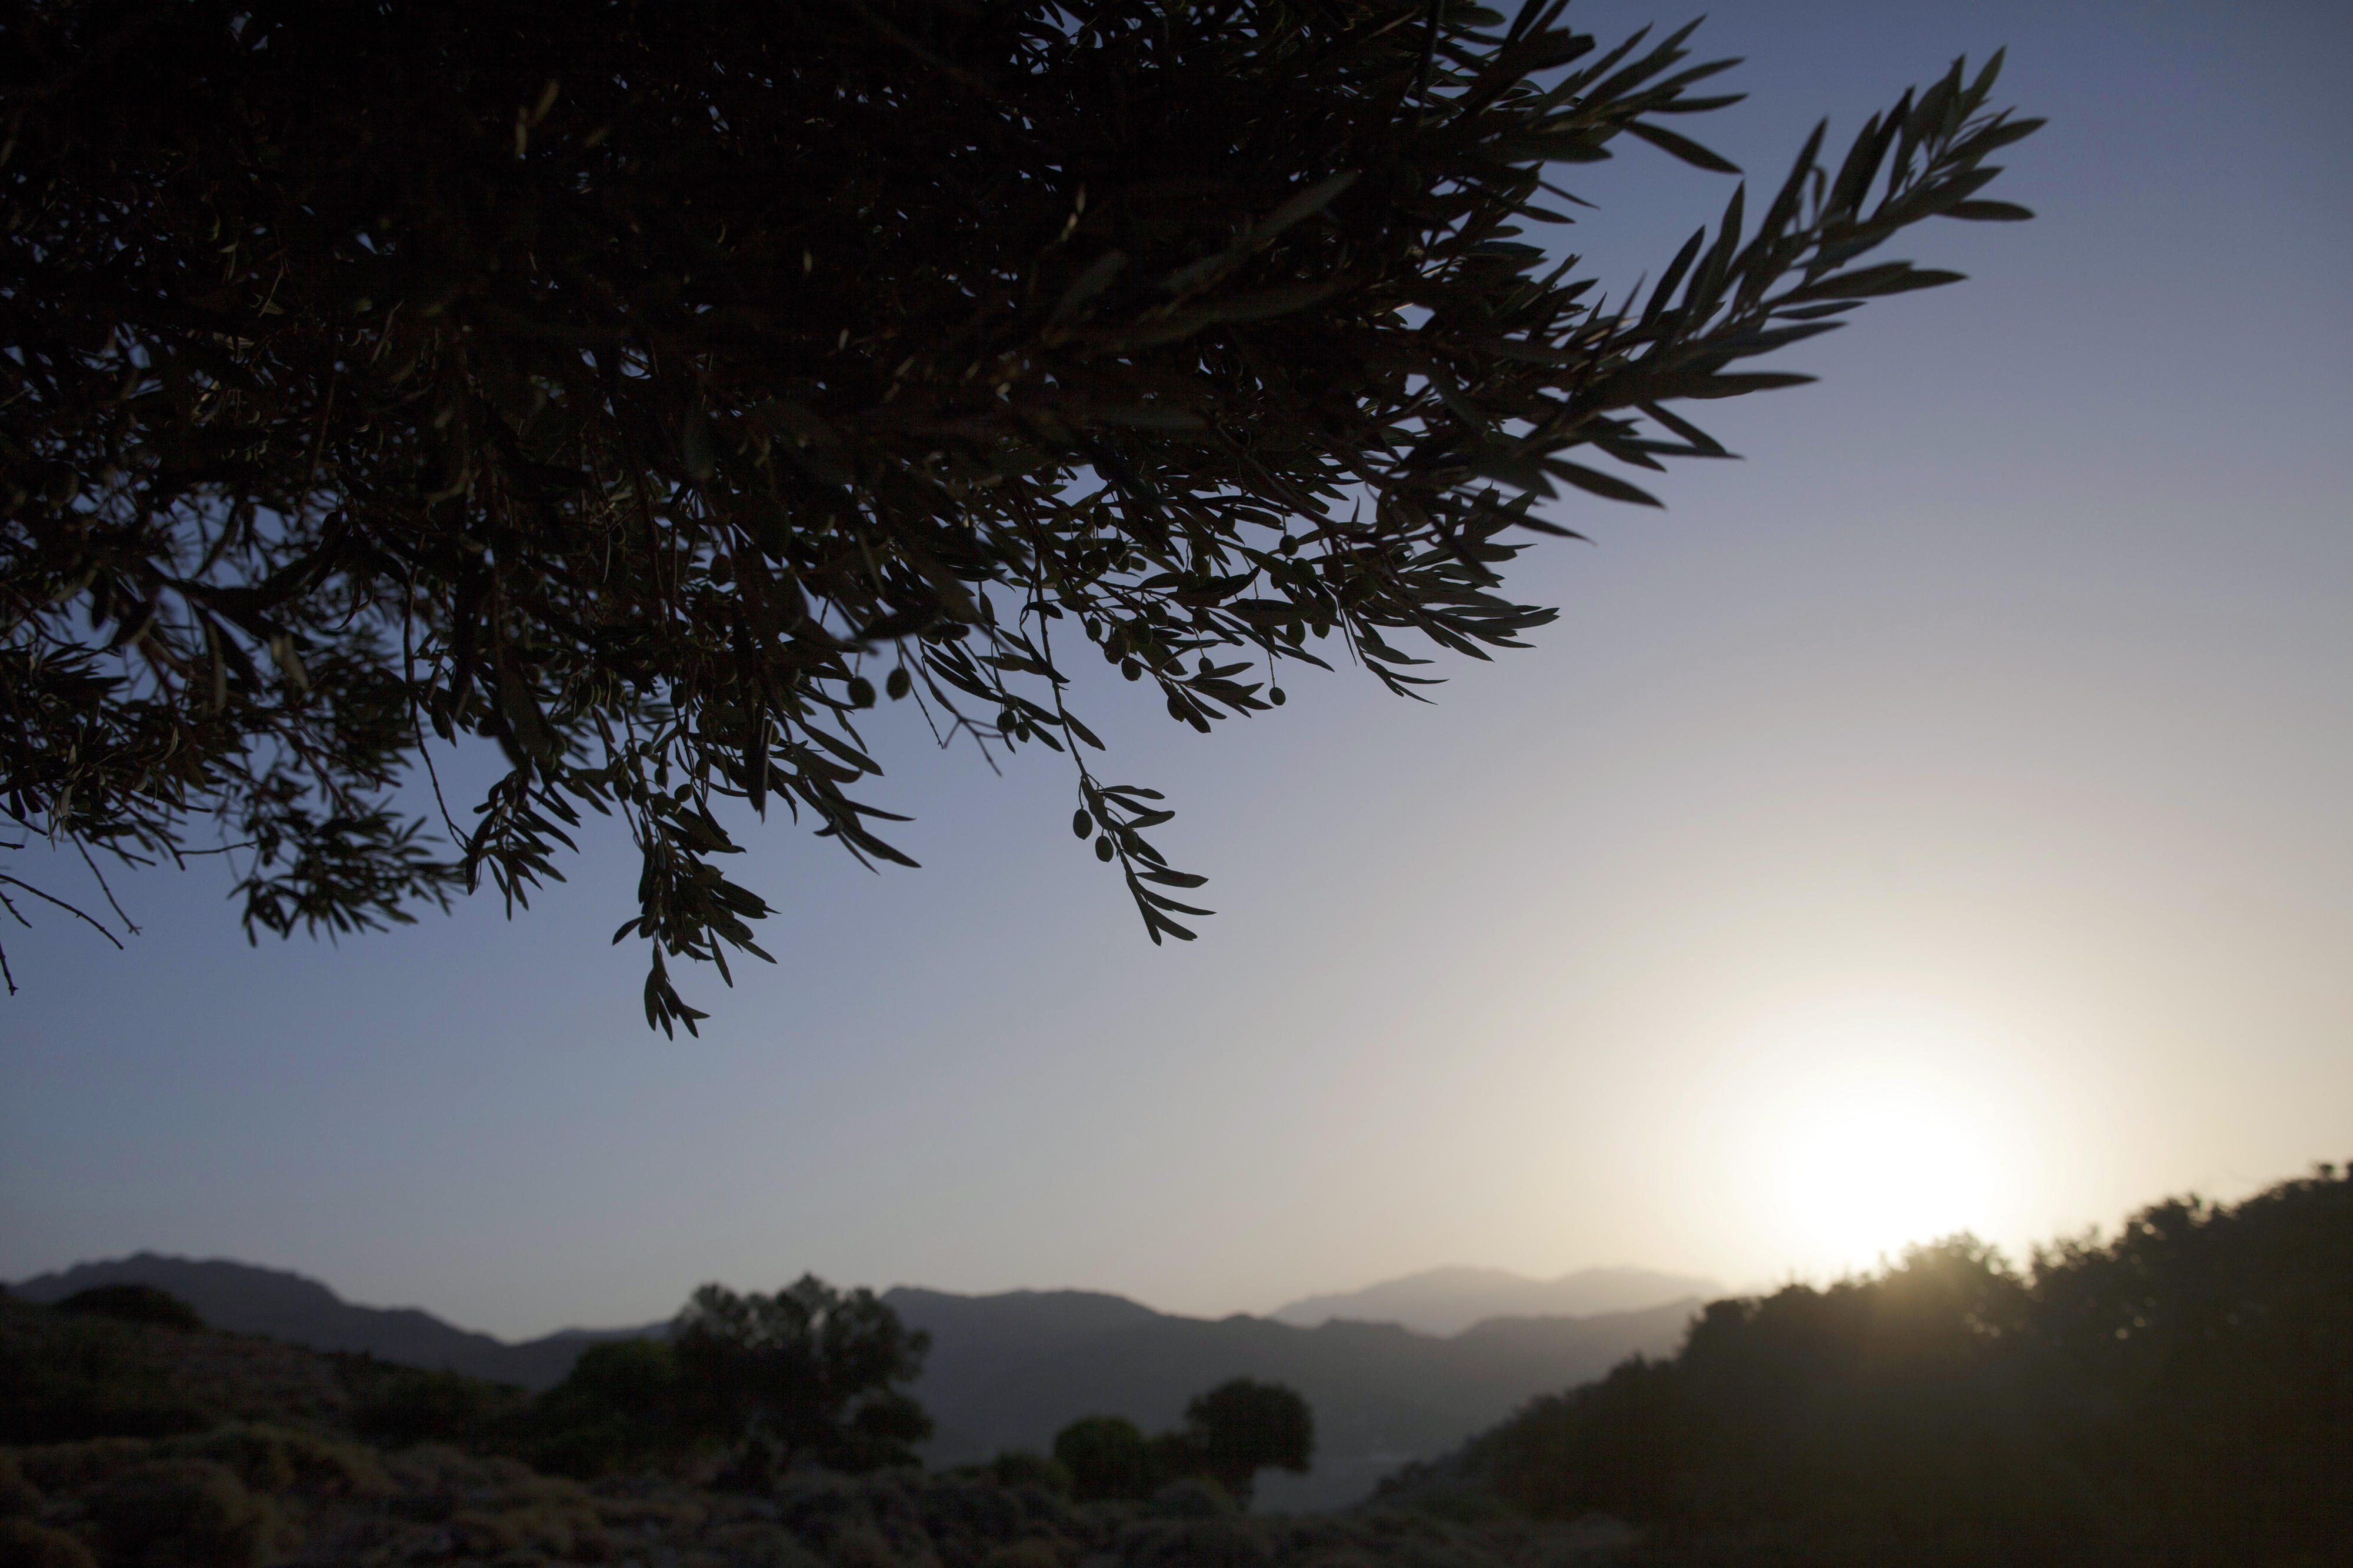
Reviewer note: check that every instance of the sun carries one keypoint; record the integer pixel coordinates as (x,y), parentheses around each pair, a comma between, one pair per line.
(1858,1126)
(1873,1160)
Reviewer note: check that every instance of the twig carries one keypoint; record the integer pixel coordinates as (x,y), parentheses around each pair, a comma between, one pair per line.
(51,898)
(1421,71)
(128,923)
(319,441)
(416,726)
(952,72)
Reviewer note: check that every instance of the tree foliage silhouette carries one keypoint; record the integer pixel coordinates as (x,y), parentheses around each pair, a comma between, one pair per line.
(1229,1434)
(625,1406)
(2174,1396)
(648,389)
(807,1373)
(1242,1426)
(1107,1457)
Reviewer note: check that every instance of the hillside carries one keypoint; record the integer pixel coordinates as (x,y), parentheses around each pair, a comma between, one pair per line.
(2172,1397)
(2180,1396)
(1007,1372)
(282,1305)
(1010,1371)
(246,1453)
(1448,1301)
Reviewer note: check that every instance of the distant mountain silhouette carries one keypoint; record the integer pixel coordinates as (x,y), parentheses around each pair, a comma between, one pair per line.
(1010,1371)
(286,1306)
(1449,1300)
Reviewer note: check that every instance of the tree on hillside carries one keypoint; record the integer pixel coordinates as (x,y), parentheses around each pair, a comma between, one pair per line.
(2174,1396)
(805,1374)
(649,390)
(1242,1426)
(622,1407)
(1107,1457)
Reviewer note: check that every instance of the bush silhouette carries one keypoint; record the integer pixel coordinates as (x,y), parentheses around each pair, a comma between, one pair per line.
(1242,1426)
(622,1408)
(1020,1467)
(132,1304)
(1107,1457)
(66,1379)
(185,1513)
(2175,1395)
(414,1405)
(803,1375)
(26,1544)
(1231,1433)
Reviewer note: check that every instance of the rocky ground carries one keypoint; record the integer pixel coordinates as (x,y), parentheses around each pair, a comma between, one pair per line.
(275,1477)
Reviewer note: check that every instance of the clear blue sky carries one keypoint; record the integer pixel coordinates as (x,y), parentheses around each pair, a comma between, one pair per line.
(1940,817)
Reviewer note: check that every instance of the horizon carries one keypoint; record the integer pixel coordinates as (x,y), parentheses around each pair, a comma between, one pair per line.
(1268,1314)
(1933,822)
(1715,1289)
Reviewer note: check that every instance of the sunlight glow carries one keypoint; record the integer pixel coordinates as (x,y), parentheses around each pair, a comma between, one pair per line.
(1875,1163)
(1870,1124)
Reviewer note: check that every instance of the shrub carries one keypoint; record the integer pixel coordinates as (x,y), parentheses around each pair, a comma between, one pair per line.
(18,1495)
(69,1380)
(804,1374)
(421,1406)
(1107,1459)
(1020,1467)
(279,1459)
(24,1544)
(132,1304)
(622,1408)
(185,1513)
(1242,1426)
(1192,1497)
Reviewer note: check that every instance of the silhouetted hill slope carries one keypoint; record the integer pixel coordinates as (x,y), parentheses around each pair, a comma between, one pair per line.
(1449,1300)
(2180,1396)
(1008,1372)
(199,1449)
(1016,1322)
(246,1299)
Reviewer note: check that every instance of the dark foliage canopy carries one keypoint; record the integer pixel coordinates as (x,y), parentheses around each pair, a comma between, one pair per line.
(805,1374)
(1229,1434)
(2175,1395)
(754,1382)
(128,1303)
(66,1379)
(624,1406)
(1242,1426)
(404,1406)
(650,388)
(1106,1457)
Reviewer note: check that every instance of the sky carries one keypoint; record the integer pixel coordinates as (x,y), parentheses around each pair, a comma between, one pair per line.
(1937,820)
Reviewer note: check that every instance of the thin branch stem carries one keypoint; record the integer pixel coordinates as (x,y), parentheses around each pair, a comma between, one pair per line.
(95,925)
(128,923)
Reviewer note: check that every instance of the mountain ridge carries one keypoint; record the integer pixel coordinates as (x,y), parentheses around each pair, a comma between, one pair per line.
(1009,1370)
(1448,1301)
(250,1299)
(1382,1394)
